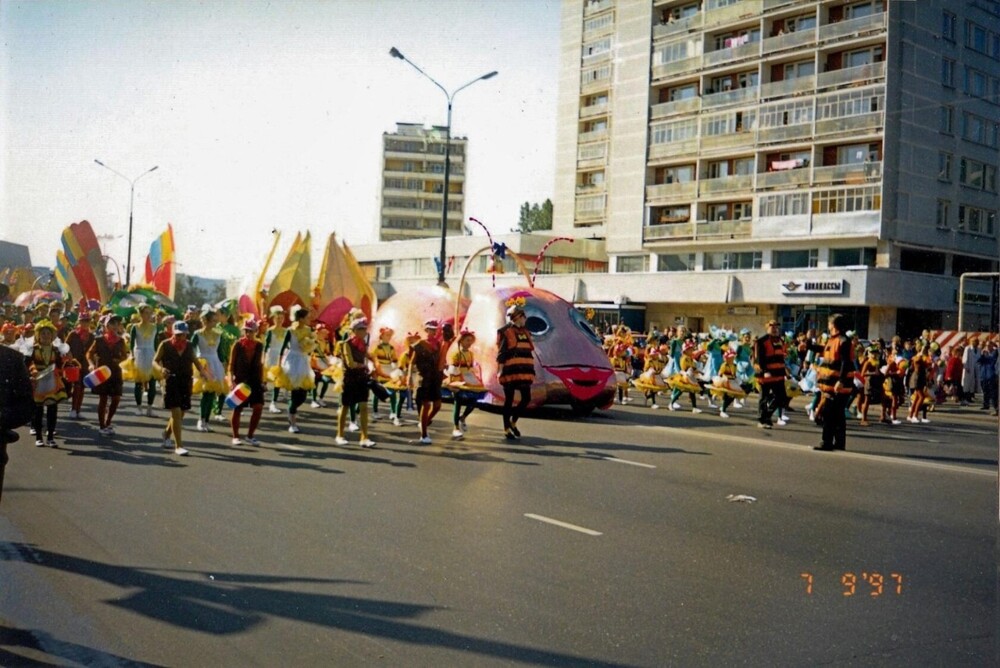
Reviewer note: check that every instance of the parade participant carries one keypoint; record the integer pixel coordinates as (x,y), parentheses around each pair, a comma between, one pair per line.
(724,384)
(463,381)
(834,380)
(619,355)
(744,364)
(388,372)
(175,361)
(986,370)
(895,373)
(354,355)
(687,379)
(920,365)
(246,365)
(873,379)
(45,365)
(142,338)
(229,335)
(769,369)
(16,405)
(651,381)
(952,376)
(970,369)
(319,361)
(212,381)
(516,372)
(108,350)
(9,332)
(426,372)
(295,374)
(273,340)
(344,332)
(79,341)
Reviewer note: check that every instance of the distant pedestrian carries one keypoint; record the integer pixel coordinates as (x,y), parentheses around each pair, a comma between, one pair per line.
(986,367)
(516,372)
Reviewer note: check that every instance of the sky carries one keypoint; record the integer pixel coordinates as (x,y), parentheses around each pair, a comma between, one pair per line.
(259,116)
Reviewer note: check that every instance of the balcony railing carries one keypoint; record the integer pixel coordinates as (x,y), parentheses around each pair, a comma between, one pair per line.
(668,231)
(665,109)
(733,96)
(592,153)
(727,140)
(725,184)
(854,173)
(856,124)
(852,27)
(702,229)
(590,204)
(806,84)
(783,178)
(730,13)
(775,4)
(790,40)
(670,149)
(749,50)
(590,189)
(593,135)
(686,189)
(679,25)
(597,6)
(850,75)
(591,110)
(676,67)
(784,133)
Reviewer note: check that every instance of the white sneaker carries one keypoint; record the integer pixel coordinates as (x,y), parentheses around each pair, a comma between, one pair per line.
(695,410)
(655,407)
(396,421)
(104,431)
(712,404)
(675,406)
(627,400)
(149,411)
(912,419)
(180,452)
(785,418)
(737,404)
(315,404)
(201,426)
(897,422)
(292,429)
(353,426)
(138,411)
(781,422)
(457,434)
(374,417)
(924,421)
(39,443)
(340,440)
(252,441)
(723,414)
(273,408)
(219,418)
(811,414)
(367,443)
(237,441)
(72,413)
(424,440)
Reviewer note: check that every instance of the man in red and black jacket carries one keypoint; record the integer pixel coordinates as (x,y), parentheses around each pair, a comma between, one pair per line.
(835,380)
(769,366)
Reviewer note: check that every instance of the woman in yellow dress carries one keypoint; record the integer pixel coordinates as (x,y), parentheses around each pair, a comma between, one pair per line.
(651,380)
(464,382)
(212,381)
(295,373)
(725,384)
(273,340)
(389,373)
(139,368)
(687,379)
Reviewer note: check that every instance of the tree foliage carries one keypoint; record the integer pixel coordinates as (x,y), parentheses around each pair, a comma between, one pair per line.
(535,217)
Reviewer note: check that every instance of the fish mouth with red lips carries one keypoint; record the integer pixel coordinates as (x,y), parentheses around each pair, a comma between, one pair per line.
(583,382)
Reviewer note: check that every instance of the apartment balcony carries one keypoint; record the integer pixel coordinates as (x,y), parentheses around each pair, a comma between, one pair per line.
(595,33)
(685,24)
(679,190)
(725,184)
(797,86)
(694,230)
(734,96)
(792,40)
(588,84)
(741,52)
(665,70)
(597,58)
(730,140)
(783,179)
(591,189)
(591,155)
(785,133)
(852,174)
(592,136)
(770,5)
(861,74)
(590,206)
(861,123)
(665,109)
(730,13)
(597,6)
(852,27)
(672,149)
(399,192)
(592,110)
(401,212)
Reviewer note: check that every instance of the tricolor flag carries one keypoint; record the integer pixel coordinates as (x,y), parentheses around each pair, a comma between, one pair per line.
(160,264)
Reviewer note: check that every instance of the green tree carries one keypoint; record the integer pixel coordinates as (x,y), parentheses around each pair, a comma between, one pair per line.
(186,292)
(535,217)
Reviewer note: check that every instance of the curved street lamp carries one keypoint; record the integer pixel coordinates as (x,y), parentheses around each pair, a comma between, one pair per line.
(395,53)
(131,202)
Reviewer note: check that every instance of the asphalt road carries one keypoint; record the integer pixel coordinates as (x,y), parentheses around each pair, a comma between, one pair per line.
(605,541)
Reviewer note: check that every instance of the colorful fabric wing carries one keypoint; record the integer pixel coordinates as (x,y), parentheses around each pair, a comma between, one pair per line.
(160,263)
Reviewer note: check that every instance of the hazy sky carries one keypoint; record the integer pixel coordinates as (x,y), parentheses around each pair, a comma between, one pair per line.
(258,115)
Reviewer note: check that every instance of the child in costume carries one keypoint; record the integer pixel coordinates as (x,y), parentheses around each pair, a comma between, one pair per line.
(320,362)
(651,381)
(895,371)
(873,379)
(45,364)
(389,373)
(687,379)
(464,382)
(246,365)
(354,355)
(295,374)
(79,341)
(109,350)
(142,339)
(273,341)
(619,358)
(212,381)
(725,386)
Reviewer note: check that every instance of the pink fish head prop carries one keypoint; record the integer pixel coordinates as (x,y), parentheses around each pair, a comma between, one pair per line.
(570,365)
(408,310)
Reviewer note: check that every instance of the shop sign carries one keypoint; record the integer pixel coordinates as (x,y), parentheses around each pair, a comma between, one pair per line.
(741,310)
(802,286)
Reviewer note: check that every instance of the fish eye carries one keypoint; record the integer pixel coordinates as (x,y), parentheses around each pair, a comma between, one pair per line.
(582,322)
(536,322)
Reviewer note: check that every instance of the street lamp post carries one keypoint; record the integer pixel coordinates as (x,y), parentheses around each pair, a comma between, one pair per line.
(395,53)
(131,202)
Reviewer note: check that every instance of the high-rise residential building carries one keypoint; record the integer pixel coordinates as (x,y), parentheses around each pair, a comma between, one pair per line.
(413,176)
(746,159)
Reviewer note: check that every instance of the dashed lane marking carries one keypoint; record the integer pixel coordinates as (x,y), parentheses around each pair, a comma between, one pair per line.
(564,525)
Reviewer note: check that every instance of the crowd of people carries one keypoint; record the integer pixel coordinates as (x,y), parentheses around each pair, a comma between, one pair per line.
(224,360)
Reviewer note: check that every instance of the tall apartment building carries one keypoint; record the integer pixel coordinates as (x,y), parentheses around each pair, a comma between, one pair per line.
(413,166)
(756,158)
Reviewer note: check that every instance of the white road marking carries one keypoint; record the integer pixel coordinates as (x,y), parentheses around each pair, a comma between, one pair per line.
(288,446)
(630,463)
(564,525)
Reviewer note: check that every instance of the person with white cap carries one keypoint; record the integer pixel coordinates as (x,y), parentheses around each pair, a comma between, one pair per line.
(246,365)
(176,360)
(427,361)
(354,355)
(273,339)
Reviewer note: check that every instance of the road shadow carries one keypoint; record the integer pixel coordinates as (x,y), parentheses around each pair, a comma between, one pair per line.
(37,641)
(235,604)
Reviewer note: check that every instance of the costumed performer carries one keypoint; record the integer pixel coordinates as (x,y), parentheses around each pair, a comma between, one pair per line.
(687,379)
(295,374)
(320,362)
(79,341)
(389,374)
(45,364)
(246,365)
(176,361)
(142,342)
(516,360)
(619,356)
(464,382)
(212,380)
(725,386)
(651,380)
(273,341)
(109,350)
(355,357)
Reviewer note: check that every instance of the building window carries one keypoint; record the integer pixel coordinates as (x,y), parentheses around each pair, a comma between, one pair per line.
(948,72)
(948,21)
(629,264)
(947,120)
(596,48)
(852,257)
(846,200)
(976,37)
(943,212)
(730,261)
(667,133)
(794,259)
(990,178)
(925,262)
(970,173)
(975,82)
(679,262)
(794,204)
(944,167)
(673,52)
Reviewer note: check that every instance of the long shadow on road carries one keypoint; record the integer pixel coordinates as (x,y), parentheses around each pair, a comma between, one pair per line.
(236,604)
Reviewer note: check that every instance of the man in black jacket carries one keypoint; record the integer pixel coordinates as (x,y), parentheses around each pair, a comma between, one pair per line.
(16,403)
